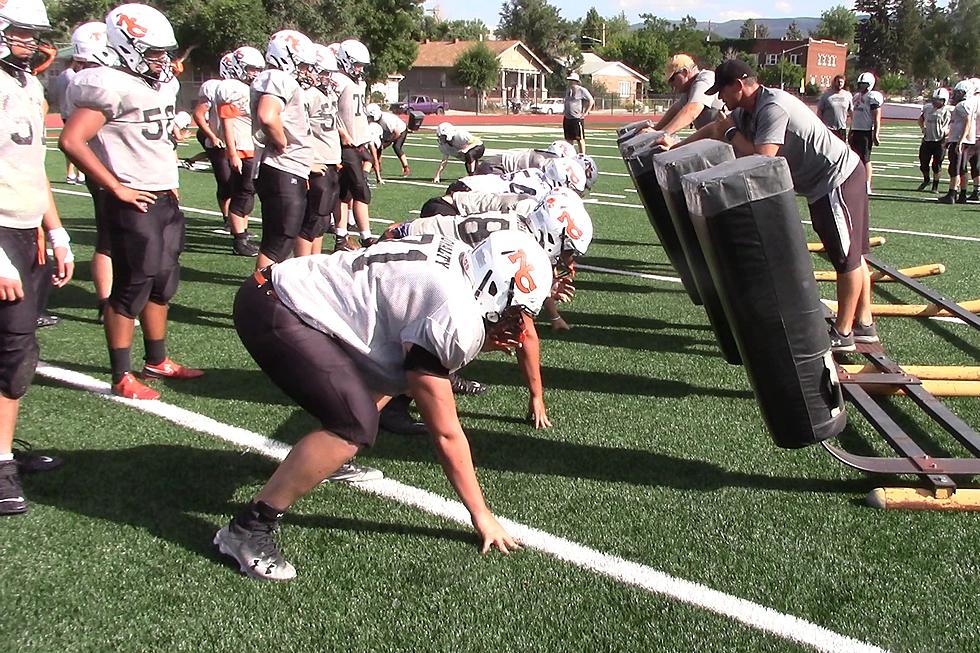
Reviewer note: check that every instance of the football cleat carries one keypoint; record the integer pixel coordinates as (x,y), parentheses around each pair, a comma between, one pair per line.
(167,369)
(255,551)
(351,472)
(12,501)
(28,462)
(463,386)
(129,387)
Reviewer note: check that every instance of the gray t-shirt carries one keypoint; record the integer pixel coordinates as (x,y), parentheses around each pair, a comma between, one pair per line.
(297,158)
(865,104)
(206,94)
(231,101)
(818,161)
(577,100)
(471,229)
(833,108)
(696,92)
(935,122)
(470,202)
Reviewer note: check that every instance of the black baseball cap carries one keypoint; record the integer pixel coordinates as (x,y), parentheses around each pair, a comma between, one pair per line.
(729,71)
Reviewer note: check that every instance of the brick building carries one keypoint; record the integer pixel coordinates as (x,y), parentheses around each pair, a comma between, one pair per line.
(822,59)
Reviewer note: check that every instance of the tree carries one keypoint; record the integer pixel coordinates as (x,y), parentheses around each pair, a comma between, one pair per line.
(592,33)
(793,32)
(964,18)
(753,30)
(479,69)
(442,30)
(930,60)
(642,52)
(784,73)
(874,36)
(837,24)
(540,26)
(907,26)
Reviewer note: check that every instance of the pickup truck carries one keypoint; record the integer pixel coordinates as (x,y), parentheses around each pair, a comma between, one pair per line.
(422,103)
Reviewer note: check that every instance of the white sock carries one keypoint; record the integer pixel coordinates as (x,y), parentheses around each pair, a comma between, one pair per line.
(341,233)
(366,234)
(5,457)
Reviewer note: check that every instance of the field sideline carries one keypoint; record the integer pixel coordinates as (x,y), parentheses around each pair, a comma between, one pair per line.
(658,459)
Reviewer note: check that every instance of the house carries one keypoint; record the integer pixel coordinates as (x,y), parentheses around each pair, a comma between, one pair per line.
(522,73)
(822,59)
(617,78)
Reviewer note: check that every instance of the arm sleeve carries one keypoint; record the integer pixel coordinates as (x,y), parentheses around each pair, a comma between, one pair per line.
(771,126)
(697,91)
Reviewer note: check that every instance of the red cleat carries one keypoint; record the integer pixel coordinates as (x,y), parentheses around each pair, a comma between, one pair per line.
(167,369)
(131,388)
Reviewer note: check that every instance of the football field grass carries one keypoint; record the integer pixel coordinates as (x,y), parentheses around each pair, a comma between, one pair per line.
(658,461)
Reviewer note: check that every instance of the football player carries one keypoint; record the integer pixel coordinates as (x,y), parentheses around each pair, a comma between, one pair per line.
(962,141)
(120,135)
(232,98)
(26,204)
(321,199)
(532,181)
(459,202)
(342,333)
(394,131)
(866,121)
(934,123)
(355,194)
(458,144)
(501,163)
(209,133)
(278,106)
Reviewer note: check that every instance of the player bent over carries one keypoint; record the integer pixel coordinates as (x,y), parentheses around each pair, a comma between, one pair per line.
(341,333)
(25,204)
(127,113)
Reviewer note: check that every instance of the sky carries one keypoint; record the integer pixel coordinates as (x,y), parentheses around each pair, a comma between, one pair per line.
(703,10)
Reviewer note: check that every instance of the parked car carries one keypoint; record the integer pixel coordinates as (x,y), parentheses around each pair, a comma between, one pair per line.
(549,106)
(422,103)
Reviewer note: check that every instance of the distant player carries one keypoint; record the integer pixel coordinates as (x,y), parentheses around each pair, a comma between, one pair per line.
(455,143)
(209,131)
(961,141)
(120,135)
(934,123)
(394,131)
(866,121)
(835,107)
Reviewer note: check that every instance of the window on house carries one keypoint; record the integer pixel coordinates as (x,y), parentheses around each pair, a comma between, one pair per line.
(625,89)
(833,60)
(794,59)
(772,59)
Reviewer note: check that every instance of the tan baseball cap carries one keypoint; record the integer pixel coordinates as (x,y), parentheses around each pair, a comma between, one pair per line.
(572,77)
(678,63)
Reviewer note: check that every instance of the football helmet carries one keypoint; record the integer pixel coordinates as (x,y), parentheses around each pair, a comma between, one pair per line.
(288,49)
(27,14)
(350,54)
(962,89)
(446,130)
(509,269)
(373,112)
(591,169)
(90,45)
(244,58)
(562,149)
(560,223)
(326,59)
(374,134)
(133,30)
(226,66)
(867,78)
(566,172)
(941,94)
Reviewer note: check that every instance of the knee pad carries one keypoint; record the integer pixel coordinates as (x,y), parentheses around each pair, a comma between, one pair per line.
(19,361)
(165,286)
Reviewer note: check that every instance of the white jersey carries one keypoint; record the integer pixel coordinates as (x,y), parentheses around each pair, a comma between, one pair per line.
(23,180)
(519,159)
(350,108)
(471,229)
(391,126)
(231,101)
(380,301)
(935,122)
(457,146)
(862,118)
(322,108)
(206,94)
(471,202)
(136,143)
(297,158)
(531,181)
(963,113)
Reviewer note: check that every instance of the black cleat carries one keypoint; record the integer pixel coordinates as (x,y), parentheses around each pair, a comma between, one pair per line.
(12,501)
(29,463)
(463,386)
(948,198)
(241,247)
(395,418)
(923,185)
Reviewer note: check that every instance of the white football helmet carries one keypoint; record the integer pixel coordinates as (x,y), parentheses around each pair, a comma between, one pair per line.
(962,89)
(28,14)
(373,112)
(867,78)
(446,130)
(562,149)
(941,94)
(351,54)
(566,172)
(288,49)
(591,169)
(374,134)
(976,84)
(135,29)
(226,66)
(510,269)
(326,59)
(560,223)
(91,45)
(244,58)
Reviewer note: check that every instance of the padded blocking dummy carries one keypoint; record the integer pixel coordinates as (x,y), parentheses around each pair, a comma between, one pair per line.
(645,180)
(631,128)
(670,166)
(748,221)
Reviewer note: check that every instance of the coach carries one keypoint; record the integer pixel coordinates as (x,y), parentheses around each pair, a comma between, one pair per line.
(825,171)
(578,103)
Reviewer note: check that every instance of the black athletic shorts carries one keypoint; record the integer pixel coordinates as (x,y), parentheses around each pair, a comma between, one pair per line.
(243,188)
(353,182)
(18,319)
(321,201)
(862,143)
(102,245)
(146,251)
(472,155)
(221,170)
(840,218)
(574,129)
(310,366)
(283,197)
(931,156)
(397,144)
(959,157)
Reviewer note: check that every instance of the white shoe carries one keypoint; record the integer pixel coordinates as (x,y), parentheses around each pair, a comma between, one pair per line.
(351,472)
(71,180)
(80,178)
(255,552)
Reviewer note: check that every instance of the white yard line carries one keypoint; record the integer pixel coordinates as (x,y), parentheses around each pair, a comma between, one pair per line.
(746,612)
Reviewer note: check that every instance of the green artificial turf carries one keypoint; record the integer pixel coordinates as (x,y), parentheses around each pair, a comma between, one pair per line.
(658,454)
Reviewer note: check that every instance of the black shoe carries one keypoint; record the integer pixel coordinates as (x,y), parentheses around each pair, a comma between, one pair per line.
(840,342)
(345,244)
(46,320)
(367,242)
(29,463)
(12,501)
(923,185)
(865,333)
(462,386)
(241,247)
(395,418)
(974,196)
(948,198)
(935,186)
(961,198)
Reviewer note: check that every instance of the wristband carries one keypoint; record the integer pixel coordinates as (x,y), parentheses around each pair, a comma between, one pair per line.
(554,319)
(730,133)
(7,269)
(59,238)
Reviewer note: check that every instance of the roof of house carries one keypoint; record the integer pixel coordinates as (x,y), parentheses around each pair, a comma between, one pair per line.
(592,64)
(443,54)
